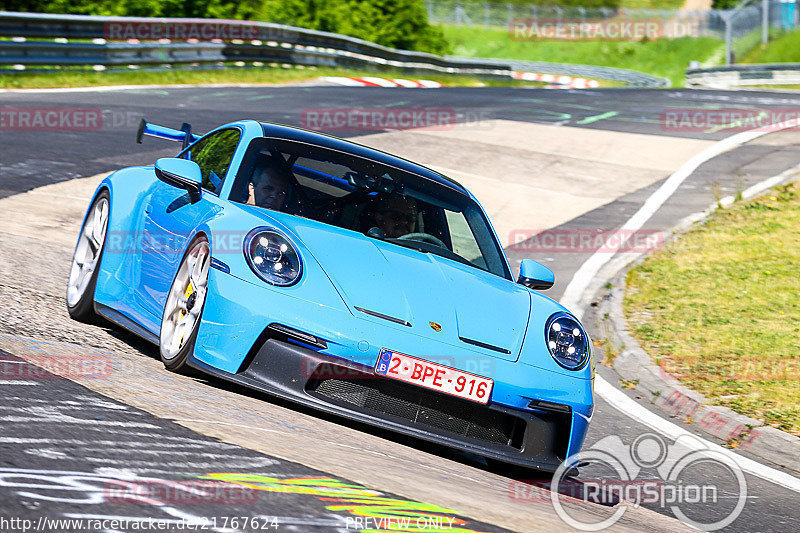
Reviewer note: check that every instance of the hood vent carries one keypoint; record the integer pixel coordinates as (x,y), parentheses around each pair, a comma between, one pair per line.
(385,317)
(484,345)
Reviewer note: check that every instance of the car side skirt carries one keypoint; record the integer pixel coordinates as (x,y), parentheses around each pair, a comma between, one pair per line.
(114,316)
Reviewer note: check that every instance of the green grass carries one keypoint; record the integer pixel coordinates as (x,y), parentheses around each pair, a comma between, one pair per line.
(651,4)
(784,49)
(720,308)
(665,57)
(268,75)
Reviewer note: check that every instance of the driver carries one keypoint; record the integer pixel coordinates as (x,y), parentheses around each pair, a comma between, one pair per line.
(396,216)
(268,187)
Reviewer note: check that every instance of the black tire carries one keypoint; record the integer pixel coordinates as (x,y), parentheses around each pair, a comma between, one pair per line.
(82,309)
(178,361)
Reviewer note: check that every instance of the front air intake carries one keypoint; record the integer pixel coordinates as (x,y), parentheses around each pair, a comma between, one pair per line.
(420,406)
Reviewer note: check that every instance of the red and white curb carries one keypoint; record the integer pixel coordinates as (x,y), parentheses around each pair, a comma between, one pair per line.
(566,81)
(369,81)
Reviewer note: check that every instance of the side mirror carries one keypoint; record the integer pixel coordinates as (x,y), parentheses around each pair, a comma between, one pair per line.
(181,173)
(535,275)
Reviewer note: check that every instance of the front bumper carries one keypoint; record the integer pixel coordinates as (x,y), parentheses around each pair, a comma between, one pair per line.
(235,344)
(535,439)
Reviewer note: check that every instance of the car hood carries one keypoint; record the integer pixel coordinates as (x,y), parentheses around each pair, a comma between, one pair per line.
(387,283)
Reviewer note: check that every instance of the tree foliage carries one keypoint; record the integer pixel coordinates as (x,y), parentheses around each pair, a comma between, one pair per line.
(725,4)
(137,8)
(395,23)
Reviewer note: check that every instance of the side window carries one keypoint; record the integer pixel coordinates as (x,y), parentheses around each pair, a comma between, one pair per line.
(214,154)
(464,243)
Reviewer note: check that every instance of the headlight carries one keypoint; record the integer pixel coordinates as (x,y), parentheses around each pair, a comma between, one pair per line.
(272,257)
(567,341)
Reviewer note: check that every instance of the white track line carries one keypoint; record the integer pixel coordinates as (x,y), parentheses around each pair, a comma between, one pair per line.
(618,400)
(574,292)
(574,295)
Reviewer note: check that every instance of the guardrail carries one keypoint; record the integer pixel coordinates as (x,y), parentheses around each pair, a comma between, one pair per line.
(744,75)
(52,53)
(241,42)
(39,53)
(630,77)
(266,42)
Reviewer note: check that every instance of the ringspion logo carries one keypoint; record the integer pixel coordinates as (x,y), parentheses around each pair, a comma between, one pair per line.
(702,486)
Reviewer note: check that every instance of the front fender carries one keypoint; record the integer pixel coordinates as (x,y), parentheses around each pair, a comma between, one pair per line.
(534,350)
(226,233)
(127,189)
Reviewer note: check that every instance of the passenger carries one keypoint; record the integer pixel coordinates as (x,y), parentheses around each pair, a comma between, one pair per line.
(396,216)
(268,187)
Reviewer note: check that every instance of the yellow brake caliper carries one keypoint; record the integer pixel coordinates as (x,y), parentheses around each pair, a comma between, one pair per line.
(187,294)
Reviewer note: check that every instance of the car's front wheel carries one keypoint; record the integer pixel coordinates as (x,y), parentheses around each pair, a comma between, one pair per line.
(86,261)
(184,306)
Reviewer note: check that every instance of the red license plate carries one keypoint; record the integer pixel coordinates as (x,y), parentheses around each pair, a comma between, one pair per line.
(434,376)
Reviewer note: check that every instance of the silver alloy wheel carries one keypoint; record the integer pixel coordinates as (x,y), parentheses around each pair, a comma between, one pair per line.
(87,251)
(185,300)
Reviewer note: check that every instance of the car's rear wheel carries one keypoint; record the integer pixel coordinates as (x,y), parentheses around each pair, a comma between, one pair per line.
(86,261)
(184,307)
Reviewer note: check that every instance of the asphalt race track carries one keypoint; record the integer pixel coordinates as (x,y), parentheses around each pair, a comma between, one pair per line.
(69,446)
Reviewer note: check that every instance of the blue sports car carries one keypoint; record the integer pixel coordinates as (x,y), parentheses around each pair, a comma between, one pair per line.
(341,277)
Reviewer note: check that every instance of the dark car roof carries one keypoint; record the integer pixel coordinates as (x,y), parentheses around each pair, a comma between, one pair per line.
(334,143)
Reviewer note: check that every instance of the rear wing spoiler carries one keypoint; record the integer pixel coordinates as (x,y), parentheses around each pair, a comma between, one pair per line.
(183,135)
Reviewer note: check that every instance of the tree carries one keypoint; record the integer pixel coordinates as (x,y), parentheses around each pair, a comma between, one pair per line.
(394,23)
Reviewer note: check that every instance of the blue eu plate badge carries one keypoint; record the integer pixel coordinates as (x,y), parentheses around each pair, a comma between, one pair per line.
(383,361)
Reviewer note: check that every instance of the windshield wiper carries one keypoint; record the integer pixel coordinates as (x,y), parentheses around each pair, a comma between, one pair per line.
(414,245)
(428,248)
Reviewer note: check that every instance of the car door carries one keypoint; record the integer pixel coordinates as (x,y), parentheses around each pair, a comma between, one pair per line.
(171,218)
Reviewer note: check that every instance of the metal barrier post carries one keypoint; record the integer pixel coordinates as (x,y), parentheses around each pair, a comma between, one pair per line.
(728,47)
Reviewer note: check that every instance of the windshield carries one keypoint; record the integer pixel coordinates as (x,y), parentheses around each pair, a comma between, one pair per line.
(379,201)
